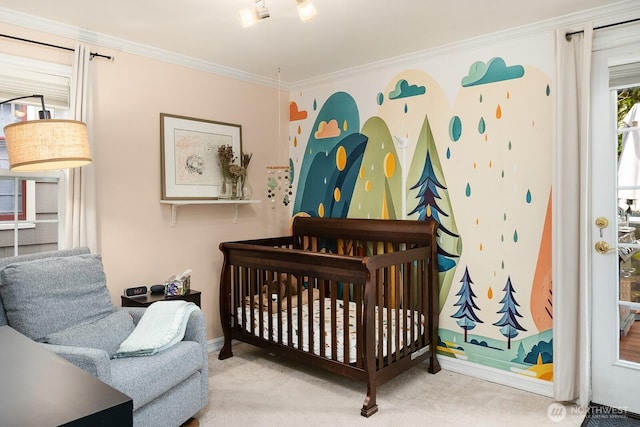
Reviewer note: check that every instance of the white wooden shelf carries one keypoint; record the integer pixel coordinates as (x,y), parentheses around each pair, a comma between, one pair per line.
(235,202)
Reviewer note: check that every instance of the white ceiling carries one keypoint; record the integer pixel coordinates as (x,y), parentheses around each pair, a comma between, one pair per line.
(346,34)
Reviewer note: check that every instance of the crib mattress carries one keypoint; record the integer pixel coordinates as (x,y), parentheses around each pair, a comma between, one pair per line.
(389,327)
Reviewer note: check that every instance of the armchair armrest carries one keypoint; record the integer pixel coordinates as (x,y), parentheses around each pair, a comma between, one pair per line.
(196,330)
(135,312)
(92,360)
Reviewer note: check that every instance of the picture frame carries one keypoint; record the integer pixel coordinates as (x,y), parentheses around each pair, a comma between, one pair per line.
(189,156)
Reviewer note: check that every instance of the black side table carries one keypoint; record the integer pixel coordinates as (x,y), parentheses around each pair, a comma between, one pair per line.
(148,299)
(40,388)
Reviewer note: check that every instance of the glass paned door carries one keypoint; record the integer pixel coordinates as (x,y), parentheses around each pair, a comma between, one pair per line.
(628,188)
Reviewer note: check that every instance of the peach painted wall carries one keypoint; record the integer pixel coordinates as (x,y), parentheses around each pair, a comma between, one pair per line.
(136,240)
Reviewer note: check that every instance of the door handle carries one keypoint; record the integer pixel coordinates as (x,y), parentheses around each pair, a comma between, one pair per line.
(603,247)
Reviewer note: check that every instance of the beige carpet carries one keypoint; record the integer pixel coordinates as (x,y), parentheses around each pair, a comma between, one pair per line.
(254,388)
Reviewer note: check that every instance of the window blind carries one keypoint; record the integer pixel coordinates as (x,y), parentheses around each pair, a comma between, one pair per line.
(624,75)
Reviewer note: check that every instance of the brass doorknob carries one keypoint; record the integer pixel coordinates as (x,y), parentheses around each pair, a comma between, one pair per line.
(602,222)
(603,247)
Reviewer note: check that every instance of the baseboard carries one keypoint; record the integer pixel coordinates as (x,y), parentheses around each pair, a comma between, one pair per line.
(215,344)
(510,379)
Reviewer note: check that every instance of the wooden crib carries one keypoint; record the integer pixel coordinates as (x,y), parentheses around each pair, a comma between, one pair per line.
(358,297)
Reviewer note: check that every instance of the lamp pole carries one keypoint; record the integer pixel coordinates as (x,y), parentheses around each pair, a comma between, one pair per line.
(44,114)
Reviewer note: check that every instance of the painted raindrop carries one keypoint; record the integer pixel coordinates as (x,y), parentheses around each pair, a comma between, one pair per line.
(498,112)
(468,190)
(528,196)
(448,153)
(515,236)
(455,128)
(406,108)
(482,127)
(380,98)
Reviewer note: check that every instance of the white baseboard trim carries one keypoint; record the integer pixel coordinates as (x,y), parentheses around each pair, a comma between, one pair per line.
(510,379)
(215,344)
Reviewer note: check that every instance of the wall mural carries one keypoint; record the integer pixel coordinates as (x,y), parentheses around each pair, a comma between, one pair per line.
(480,167)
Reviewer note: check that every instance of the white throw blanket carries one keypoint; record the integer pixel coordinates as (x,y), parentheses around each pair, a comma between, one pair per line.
(162,325)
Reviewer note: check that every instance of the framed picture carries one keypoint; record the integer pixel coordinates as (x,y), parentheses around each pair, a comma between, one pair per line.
(189,156)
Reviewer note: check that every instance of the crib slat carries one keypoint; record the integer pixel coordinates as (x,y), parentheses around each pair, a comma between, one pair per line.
(359,330)
(345,323)
(323,331)
(334,320)
(382,292)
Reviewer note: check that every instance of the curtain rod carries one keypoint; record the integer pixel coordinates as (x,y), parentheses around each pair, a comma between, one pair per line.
(91,55)
(568,35)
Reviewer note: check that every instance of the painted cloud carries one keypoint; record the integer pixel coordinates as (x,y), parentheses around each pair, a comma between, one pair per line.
(493,71)
(403,90)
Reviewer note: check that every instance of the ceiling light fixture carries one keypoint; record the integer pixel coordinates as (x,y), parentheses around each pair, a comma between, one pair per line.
(249,17)
(306,10)
(46,144)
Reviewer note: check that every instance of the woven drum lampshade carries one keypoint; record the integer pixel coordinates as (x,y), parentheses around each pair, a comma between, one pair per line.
(37,145)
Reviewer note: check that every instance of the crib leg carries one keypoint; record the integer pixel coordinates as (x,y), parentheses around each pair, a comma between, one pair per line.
(369,407)
(226,352)
(434,365)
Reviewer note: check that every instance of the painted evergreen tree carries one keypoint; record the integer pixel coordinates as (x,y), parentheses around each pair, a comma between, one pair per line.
(466,305)
(427,207)
(521,354)
(509,321)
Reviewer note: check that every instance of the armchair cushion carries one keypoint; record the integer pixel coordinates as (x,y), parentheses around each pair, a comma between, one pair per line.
(48,295)
(106,333)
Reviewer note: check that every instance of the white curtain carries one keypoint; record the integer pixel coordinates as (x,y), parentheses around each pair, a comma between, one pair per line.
(571,283)
(80,213)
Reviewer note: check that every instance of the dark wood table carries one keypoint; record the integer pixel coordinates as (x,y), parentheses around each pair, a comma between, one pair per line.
(147,299)
(40,388)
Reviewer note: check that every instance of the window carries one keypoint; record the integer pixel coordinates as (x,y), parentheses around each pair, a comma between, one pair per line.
(30,204)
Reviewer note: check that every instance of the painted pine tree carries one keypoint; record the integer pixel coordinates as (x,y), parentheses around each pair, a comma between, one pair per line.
(467,318)
(509,321)
(427,207)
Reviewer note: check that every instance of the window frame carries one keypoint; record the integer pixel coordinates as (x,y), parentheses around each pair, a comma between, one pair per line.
(28,180)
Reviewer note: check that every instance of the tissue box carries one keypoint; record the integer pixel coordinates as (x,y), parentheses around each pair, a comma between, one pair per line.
(176,287)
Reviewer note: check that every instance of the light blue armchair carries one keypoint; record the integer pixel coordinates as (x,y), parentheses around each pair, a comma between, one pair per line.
(60,298)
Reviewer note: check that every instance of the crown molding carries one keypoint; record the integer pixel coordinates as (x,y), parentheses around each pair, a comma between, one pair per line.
(605,15)
(617,12)
(101,40)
